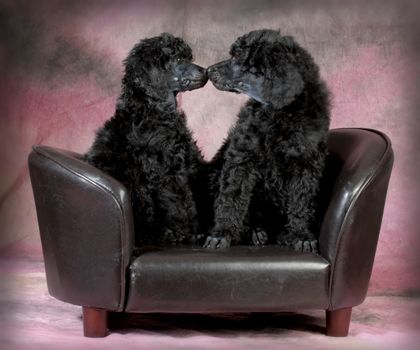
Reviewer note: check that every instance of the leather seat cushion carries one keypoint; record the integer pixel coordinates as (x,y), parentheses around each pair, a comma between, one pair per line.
(241,279)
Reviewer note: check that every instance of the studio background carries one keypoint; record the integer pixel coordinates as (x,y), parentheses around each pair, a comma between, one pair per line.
(61,66)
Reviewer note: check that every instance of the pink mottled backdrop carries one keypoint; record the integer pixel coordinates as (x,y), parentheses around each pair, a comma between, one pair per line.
(61,70)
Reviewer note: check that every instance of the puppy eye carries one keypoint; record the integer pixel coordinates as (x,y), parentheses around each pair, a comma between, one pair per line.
(179,59)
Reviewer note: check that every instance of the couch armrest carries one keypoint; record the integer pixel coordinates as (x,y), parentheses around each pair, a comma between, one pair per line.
(86,226)
(359,163)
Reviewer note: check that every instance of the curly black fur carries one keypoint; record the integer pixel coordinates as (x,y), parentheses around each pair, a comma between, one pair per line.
(266,176)
(146,145)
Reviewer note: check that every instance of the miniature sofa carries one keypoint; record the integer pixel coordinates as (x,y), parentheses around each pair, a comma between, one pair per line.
(86,226)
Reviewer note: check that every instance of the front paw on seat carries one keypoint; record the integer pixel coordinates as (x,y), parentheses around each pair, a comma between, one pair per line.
(306,246)
(171,236)
(217,242)
(259,237)
(300,245)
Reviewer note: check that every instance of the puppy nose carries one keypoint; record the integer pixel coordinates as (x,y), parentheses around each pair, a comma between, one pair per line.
(203,71)
(210,69)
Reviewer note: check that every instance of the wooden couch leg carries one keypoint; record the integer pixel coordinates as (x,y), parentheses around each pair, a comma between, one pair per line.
(94,322)
(338,322)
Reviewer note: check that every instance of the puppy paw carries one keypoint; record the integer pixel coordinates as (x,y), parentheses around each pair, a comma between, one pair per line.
(170,236)
(217,241)
(306,246)
(197,239)
(259,237)
(313,246)
(299,245)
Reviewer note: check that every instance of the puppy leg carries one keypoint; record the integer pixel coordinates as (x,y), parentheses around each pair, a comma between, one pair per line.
(144,214)
(259,236)
(237,182)
(299,194)
(178,213)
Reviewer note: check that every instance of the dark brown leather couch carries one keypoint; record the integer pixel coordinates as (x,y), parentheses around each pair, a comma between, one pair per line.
(86,226)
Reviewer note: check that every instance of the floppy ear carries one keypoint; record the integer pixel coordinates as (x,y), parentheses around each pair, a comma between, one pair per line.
(283,86)
(140,75)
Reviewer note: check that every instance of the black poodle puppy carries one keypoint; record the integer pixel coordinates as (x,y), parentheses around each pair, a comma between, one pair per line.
(265,178)
(146,144)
